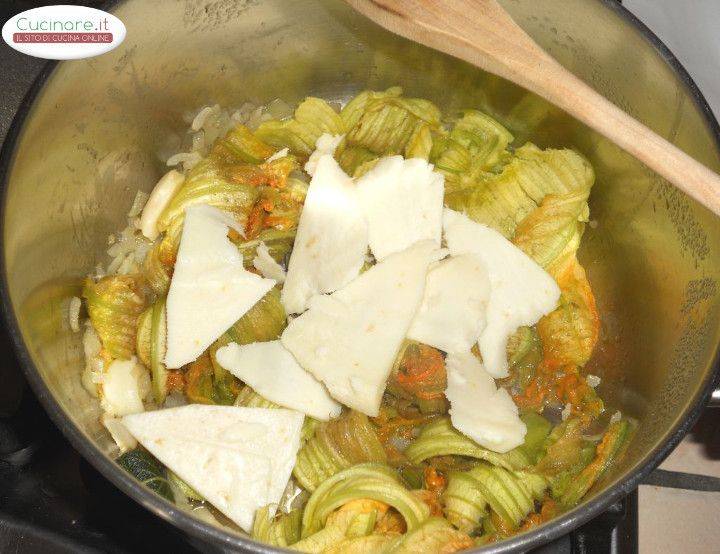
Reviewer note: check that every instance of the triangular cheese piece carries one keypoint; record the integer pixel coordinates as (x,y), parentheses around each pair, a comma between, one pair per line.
(239,459)
(210,289)
(331,240)
(403,203)
(479,409)
(349,340)
(274,374)
(452,313)
(521,292)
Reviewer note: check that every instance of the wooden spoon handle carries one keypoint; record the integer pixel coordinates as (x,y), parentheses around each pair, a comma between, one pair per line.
(663,157)
(482,33)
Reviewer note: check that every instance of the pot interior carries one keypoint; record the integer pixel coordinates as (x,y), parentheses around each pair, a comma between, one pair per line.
(95,133)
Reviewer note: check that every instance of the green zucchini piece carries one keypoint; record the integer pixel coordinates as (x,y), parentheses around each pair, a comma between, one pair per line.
(362,545)
(533,483)
(363,481)
(607,452)
(158,342)
(476,145)
(245,146)
(510,502)
(337,445)
(503,201)
(312,118)
(565,448)
(334,532)
(279,244)
(440,438)
(434,535)
(156,272)
(248,398)
(281,530)
(538,429)
(354,159)
(388,125)
(362,525)
(144,339)
(185,489)
(525,352)
(207,183)
(149,471)
(465,506)
(355,108)
(114,304)
(555,227)
(263,322)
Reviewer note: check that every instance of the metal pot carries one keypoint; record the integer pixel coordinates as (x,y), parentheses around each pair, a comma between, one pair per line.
(88,136)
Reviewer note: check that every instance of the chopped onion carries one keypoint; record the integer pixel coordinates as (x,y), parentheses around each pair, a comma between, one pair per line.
(74,313)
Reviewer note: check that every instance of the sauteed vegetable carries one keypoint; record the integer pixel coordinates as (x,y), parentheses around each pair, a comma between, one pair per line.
(356,329)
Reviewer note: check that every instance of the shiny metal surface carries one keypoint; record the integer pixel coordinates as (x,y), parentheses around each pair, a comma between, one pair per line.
(93,135)
(714,400)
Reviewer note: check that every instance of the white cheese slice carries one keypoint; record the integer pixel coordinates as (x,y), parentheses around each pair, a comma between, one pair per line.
(403,203)
(210,289)
(267,265)
(331,239)
(521,292)
(325,145)
(274,374)
(160,197)
(239,459)
(349,340)
(479,409)
(452,314)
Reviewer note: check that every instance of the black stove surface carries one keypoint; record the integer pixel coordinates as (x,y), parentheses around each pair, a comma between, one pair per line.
(51,499)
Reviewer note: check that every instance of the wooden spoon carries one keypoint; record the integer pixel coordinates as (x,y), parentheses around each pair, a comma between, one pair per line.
(483,33)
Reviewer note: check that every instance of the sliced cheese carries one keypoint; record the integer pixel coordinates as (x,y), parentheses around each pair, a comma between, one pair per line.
(349,340)
(452,314)
(210,289)
(274,374)
(267,265)
(160,197)
(403,203)
(479,409)
(521,292)
(239,459)
(325,145)
(331,239)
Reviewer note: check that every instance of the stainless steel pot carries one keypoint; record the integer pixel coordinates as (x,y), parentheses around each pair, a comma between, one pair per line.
(89,133)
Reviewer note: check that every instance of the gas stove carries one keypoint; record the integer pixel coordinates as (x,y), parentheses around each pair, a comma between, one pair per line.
(52,500)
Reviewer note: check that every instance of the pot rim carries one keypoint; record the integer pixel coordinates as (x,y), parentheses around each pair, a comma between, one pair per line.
(201,530)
